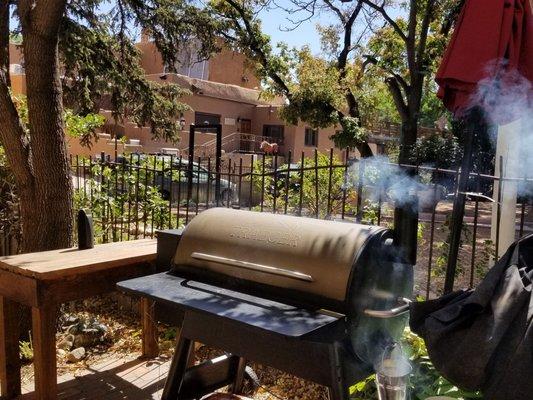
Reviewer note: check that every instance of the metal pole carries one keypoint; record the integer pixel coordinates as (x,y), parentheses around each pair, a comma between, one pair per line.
(192,131)
(473,122)
(218,157)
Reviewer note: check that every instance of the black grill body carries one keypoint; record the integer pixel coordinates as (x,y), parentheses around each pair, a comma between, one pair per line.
(259,307)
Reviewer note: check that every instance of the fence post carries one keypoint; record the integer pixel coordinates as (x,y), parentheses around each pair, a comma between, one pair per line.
(218,156)
(475,119)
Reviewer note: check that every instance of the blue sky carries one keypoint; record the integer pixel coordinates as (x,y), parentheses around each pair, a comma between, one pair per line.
(275,19)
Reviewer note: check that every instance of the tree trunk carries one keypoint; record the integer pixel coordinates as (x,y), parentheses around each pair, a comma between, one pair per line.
(46,210)
(365,150)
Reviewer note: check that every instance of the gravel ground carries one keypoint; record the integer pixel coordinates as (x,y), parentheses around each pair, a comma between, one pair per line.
(124,335)
(124,338)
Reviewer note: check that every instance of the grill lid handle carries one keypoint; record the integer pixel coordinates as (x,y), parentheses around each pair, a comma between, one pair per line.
(394,312)
(267,269)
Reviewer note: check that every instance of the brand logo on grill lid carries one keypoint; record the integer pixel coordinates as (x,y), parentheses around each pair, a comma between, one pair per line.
(281,236)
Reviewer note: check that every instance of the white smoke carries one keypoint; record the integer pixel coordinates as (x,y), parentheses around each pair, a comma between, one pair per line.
(385,181)
(506,97)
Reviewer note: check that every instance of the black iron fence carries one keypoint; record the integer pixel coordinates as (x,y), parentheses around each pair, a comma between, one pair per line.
(133,196)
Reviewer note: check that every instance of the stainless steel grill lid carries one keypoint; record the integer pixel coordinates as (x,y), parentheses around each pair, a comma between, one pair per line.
(290,253)
(343,267)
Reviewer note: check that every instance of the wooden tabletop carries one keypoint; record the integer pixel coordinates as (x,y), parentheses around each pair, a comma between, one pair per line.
(65,262)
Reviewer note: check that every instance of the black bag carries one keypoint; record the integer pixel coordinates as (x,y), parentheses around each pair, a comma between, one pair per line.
(482,339)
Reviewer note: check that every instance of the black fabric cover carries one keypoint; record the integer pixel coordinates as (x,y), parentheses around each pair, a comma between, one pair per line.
(482,339)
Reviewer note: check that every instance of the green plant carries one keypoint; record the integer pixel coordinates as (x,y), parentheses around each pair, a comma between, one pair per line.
(26,350)
(124,199)
(486,253)
(443,249)
(322,187)
(425,380)
(439,150)
(351,135)
(370,212)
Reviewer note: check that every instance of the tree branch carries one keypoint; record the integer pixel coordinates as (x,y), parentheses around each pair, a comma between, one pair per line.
(398,98)
(337,11)
(424,33)
(13,138)
(342,60)
(410,45)
(387,17)
(400,80)
(255,46)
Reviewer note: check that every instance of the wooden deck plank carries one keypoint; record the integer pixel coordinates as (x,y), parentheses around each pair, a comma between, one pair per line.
(61,263)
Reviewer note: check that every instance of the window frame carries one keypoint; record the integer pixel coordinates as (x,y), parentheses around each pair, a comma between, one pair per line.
(312,134)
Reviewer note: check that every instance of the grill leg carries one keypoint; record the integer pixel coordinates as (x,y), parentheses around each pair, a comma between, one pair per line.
(178,367)
(338,389)
(238,382)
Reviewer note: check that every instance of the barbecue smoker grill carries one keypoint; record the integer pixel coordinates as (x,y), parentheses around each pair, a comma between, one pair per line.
(317,299)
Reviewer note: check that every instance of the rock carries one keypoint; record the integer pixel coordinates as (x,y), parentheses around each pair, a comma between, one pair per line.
(61,353)
(66,343)
(88,338)
(73,329)
(76,355)
(71,320)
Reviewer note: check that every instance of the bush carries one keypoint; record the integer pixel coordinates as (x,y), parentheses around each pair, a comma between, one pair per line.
(320,176)
(123,199)
(425,381)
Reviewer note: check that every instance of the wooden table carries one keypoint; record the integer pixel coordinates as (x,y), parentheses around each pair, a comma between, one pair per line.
(43,281)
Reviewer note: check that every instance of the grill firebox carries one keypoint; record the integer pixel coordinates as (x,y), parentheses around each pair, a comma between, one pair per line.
(307,296)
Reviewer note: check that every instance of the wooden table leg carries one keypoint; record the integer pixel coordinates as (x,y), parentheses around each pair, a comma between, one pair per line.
(44,352)
(9,349)
(150,347)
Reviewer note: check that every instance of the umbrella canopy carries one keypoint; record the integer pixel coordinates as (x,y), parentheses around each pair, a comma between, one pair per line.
(493,38)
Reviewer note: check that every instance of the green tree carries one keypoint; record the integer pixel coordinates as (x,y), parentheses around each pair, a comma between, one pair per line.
(321,92)
(407,50)
(81,52)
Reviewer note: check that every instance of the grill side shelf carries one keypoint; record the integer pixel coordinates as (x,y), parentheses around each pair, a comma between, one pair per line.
(253,266)
(258,312)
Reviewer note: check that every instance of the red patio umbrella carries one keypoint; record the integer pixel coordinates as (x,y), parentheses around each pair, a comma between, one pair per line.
(492,38)
(489,58)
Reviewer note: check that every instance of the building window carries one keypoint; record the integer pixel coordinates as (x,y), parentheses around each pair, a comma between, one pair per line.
(276,132)
(311,137)
(202,119)
(206,119)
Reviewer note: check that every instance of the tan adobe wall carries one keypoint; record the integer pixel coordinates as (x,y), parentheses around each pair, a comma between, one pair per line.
(15,54)
(151,60)
(225,67)
(294,135)
(230,67)
(18,84)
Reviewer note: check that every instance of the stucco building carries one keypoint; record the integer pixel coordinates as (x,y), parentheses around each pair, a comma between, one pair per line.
(223,90)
